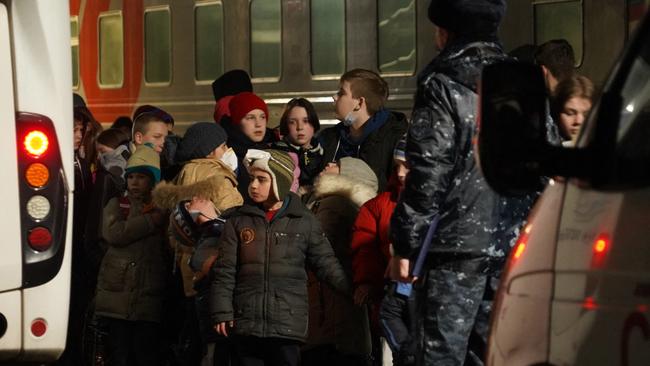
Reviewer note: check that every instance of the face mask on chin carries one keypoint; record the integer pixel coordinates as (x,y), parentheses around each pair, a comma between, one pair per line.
(230,159)
(349,119)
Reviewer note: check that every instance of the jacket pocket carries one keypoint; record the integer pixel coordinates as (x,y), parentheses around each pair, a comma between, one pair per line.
(291,312)
(287,246)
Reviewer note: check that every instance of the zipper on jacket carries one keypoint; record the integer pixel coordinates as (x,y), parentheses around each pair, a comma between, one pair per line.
(266,276)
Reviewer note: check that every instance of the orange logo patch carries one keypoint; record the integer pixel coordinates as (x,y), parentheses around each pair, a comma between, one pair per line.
(247,235)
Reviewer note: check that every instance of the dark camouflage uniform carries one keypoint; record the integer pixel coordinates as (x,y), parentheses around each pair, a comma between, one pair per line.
(477,227)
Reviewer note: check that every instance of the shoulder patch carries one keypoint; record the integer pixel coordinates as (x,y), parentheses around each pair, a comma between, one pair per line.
(246,235)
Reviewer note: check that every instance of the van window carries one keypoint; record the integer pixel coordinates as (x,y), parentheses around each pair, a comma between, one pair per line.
(396,36)
(560,20)
(111,50)
(636,9)
(327,37)
(208,40)
(157,46)
(634,127)
(74,45)
(266,36)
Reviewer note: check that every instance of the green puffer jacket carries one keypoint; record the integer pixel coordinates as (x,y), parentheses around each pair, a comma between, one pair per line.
(260,280)
(132,276)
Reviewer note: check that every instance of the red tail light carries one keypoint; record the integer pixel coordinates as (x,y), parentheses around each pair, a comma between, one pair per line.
(36,143)
(39,327)
(523,240)
(600,247)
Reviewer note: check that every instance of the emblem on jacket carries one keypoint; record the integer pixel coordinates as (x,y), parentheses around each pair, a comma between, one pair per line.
(246,235)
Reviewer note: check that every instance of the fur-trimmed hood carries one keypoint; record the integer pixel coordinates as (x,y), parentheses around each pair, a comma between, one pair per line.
(205,178)
(342,185)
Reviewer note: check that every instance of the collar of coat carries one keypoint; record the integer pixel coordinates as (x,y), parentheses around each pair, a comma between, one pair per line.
(291,207)
(341,185)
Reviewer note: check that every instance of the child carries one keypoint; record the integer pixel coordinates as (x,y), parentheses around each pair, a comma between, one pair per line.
(203,176)
(367,131)
(131,281)
(259,292)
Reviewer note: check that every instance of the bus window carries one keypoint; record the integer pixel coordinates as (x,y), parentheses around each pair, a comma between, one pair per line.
(560,20)
(111,50)
(396,37)
(157,46)
(208,38)
(327,37)
(74,45)
(266,30)
(636,9)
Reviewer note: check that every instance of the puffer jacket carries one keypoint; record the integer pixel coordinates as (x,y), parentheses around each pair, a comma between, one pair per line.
(310,159)
(376,149)
(132,277)
(260,280)
(206,178)
(444,178)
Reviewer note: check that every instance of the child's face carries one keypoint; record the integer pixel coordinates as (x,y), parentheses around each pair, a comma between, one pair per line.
(253,125)
(344,102)
(300,130)
(260,185)
(155,134)
(138,184)
(78,133)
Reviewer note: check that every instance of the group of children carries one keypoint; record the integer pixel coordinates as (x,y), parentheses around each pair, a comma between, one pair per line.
(259,227)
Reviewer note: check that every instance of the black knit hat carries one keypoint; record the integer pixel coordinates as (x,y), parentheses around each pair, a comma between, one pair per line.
(468,17)
(200,140)
(231,83)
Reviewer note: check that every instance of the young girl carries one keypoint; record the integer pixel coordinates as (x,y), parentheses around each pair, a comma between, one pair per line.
(259,292)
(571,105)
(131,283)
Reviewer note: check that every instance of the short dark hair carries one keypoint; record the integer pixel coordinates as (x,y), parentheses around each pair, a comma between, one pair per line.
(369,85)
(311,114)
(142,121)
(558,57)
(113,137)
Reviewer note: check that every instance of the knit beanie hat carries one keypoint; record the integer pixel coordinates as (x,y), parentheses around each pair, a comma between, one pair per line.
(231,83)
(357,170)
(400,149)
(200,140)
(243,103)
(144,160)
(468,17)
(275,162)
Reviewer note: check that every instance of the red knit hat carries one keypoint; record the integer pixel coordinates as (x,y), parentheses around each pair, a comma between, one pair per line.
(243,103)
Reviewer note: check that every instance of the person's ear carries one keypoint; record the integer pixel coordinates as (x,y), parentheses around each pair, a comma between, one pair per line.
(137,138)
(362,101)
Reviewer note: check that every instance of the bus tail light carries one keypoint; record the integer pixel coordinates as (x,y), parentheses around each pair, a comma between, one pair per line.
(39,327)
(600,248)
(36,143)
(40,239)
(520,247)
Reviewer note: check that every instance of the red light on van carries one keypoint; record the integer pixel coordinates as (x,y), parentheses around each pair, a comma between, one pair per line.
(520,249)
(40,239)
(36,143)
(523,239)
(600,248)
(39,327)
(600,245)
(589,304)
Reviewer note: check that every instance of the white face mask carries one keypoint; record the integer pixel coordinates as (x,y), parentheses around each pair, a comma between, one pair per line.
(230,159)
(349,119)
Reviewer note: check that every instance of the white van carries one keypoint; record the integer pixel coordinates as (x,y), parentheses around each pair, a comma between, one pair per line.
(36,178)
(576,290)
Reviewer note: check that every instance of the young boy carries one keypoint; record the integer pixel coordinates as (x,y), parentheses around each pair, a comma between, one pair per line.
(367,130)
(131,282)
(150,126)
(259,291)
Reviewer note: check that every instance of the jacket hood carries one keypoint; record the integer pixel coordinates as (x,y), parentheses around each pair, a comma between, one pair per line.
(340,185)
(292,206)
(463,62)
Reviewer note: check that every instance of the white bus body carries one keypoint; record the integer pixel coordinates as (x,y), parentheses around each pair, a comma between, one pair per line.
(35,84)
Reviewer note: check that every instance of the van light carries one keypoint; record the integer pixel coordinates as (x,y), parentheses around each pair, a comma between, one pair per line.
(39,327)
(36,143)
(630,108)
(38,207)
(589,304)
(601,244)
(520,249)
(37,175)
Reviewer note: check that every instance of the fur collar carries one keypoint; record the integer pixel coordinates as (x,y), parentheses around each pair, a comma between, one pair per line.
(167,195)
(340,185)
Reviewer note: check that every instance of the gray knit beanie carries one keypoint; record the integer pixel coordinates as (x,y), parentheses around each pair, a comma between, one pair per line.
(200,140)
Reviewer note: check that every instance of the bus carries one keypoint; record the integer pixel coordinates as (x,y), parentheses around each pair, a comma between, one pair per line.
(37,180)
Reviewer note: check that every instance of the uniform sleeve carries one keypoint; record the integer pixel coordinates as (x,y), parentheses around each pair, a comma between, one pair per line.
(431,152)
(367,258)
(321,258)
(224,273)
(119,231)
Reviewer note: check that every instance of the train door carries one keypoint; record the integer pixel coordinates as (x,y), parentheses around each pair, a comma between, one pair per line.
(36,178)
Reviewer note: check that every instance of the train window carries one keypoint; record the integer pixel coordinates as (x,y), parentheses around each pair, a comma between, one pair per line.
(563,19)
(266,35)
(157,46)
(396,36)
(111,50)
(327,37)
(636,9)
(208,38)
(74,45)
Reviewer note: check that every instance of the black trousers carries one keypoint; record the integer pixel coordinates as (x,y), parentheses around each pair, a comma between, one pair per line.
(255,351)
(133,343)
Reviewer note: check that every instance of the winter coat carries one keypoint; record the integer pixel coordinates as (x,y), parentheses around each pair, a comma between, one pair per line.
(260,280)
(333,317)
(206,178)
(376,148)
(240,143)
(310,160)
(132,276)
(444,178)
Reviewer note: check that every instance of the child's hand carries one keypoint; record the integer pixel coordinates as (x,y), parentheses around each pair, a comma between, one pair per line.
(222,327)
(399,270)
